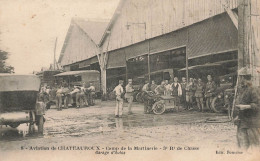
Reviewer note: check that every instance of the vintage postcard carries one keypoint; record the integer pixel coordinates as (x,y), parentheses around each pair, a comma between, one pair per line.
(130,80)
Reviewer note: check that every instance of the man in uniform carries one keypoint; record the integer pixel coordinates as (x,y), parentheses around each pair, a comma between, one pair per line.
(119,100)
(190,89)
(65,95)
(146,88)
(248,120)
(59,98)
(129,95)
(183,87)
(210,91)
(92,93)
(200,87)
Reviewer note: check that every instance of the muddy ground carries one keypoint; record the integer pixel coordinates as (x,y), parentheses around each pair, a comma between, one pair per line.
(97,126)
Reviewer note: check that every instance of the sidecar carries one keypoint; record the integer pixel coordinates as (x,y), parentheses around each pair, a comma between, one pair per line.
(158,104)
(162,104)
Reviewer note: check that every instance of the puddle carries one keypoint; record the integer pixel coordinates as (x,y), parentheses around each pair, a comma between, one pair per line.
(19,133)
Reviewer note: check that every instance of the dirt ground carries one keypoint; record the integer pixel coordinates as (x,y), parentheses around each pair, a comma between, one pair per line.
(97,126)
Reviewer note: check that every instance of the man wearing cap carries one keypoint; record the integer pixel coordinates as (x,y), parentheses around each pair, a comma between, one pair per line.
(119,100)
(210,91)
(129,95)
(248,119)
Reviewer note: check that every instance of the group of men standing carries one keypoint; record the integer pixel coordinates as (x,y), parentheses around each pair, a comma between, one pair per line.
(248,104)
(186,92)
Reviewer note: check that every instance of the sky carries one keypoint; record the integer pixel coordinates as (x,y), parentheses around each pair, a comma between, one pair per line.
(28,28)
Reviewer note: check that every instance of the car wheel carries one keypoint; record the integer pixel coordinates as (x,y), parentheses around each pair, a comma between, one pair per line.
(217,104)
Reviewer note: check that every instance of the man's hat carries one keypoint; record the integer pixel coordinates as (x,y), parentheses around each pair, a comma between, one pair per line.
(244,71)
(130,80)
(121,81)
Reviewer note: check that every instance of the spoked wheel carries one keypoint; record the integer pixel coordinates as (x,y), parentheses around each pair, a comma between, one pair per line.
(158,108)
(139,97)
(217,105)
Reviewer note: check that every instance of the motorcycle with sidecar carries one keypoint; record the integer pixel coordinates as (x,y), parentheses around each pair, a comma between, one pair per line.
(158,104)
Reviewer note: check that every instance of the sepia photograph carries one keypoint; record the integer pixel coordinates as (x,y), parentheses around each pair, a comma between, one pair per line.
(120,80)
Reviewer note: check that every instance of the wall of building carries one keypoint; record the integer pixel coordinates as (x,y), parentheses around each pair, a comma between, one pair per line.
(160,17)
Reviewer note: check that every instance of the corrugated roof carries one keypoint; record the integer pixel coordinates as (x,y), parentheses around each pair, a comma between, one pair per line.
(112,21)
(76,72)
(93,29)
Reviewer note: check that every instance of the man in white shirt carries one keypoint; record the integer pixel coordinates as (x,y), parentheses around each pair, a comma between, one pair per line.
(119,100)
(176,91)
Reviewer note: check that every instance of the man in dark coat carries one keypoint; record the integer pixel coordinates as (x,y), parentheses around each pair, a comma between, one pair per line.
(248,120)
(210,91)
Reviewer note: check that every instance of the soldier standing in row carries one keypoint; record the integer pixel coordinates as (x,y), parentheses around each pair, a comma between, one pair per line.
(129,95)
(190,88)
(200,87)
(248,120)
(183,97)
(119,100)
(210,91)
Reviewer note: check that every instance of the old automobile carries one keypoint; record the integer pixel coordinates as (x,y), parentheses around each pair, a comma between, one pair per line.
(223,99)
(18,101)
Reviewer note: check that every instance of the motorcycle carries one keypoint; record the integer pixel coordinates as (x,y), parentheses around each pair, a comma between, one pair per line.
(158,104)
